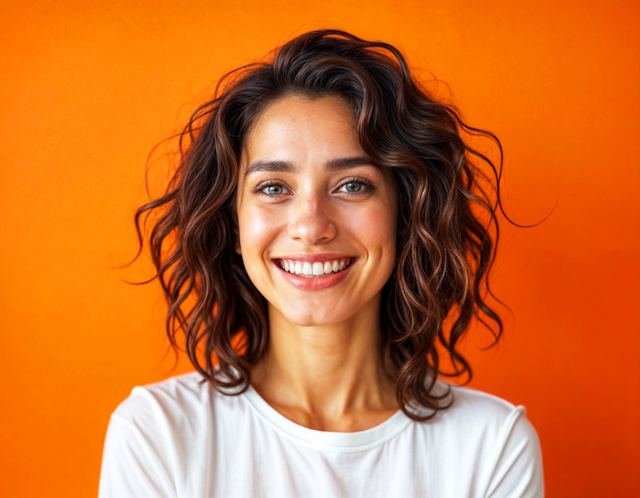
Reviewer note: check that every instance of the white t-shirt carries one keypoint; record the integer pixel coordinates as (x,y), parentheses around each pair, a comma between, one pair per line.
(182,438)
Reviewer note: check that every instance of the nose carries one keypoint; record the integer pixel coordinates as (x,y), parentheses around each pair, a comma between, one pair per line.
(311,222)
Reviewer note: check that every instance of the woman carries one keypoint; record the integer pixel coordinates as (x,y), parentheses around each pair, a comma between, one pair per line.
(321,246)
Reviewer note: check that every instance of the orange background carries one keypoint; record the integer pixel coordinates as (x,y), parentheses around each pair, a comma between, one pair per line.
(89,87)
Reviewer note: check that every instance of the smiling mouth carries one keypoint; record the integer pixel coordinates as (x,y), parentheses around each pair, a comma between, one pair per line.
(314,270)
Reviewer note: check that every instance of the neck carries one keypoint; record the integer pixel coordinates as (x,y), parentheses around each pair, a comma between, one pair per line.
(325,374)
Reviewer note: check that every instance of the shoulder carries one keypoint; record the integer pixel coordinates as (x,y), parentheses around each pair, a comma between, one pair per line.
(482,415)
(482,407)
(150,438)
(154,436)
(171,406)
(178,408)
(495,438)
(180,396)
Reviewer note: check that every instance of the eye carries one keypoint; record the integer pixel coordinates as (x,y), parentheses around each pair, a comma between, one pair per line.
(356,186)
(353,186)
(273,189)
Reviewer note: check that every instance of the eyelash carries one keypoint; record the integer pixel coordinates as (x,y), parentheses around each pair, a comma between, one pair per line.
(368,187)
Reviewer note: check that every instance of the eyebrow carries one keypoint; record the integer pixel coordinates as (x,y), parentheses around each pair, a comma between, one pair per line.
(287,167)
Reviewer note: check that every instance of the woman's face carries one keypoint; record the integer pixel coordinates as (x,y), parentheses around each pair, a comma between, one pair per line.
(317,221)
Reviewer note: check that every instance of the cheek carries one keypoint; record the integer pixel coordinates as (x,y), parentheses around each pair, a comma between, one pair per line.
(257,228)
(375,227)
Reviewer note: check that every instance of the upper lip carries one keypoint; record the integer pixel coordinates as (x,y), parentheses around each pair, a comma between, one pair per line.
(315,258)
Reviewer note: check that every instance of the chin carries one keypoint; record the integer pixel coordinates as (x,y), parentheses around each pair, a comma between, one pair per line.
(315,317)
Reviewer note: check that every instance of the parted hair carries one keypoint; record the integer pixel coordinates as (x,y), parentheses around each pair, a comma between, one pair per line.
(447,220)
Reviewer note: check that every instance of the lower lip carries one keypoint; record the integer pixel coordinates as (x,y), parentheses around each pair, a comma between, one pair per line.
(316,283)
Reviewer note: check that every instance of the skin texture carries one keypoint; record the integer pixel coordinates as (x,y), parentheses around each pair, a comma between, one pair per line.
(322,368)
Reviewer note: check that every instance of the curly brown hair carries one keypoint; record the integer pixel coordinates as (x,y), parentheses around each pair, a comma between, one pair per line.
(447,221)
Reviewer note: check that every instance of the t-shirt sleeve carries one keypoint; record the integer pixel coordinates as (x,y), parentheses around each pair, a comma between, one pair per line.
(136,462)
(518,461)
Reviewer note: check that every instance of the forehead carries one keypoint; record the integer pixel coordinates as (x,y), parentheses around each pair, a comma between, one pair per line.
(301,129)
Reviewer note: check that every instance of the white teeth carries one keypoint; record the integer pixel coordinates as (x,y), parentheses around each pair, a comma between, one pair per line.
(315,269)
(306,268)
